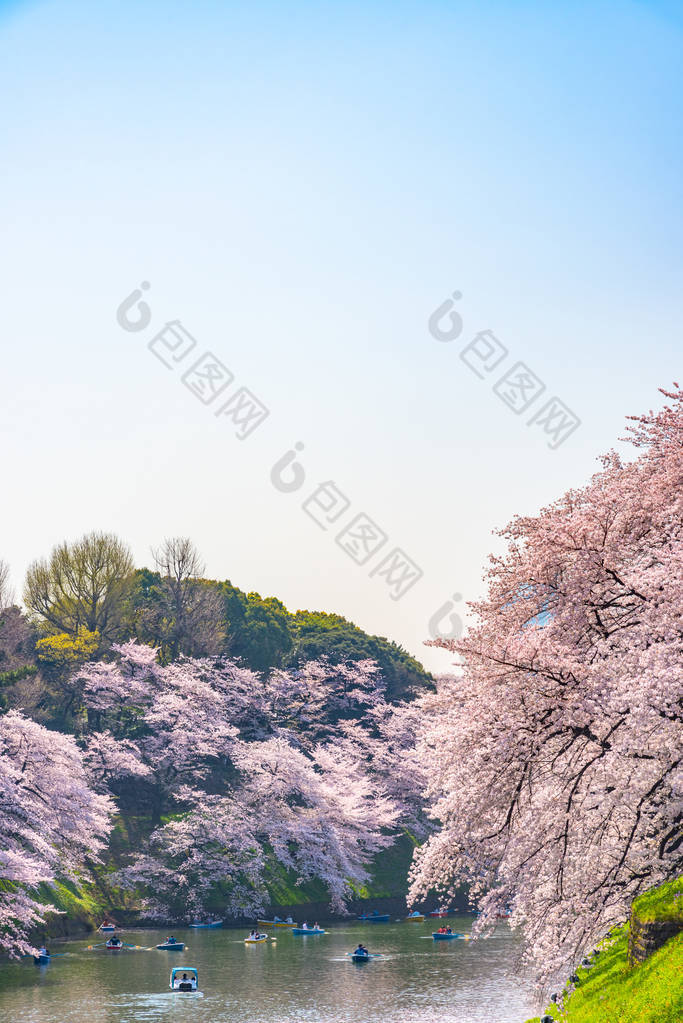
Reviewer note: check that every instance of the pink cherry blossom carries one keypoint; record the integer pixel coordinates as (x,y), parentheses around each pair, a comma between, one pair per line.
(554,758)
(51,822)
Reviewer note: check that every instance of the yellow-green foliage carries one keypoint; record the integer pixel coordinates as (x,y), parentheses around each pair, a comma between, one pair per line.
(63,651)
(662,903)
(613,992)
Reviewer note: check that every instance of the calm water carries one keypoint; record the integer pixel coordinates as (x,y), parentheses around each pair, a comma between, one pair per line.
(296,979)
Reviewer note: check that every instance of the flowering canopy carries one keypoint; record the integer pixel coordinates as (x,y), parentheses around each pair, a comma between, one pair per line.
(295,764)
(554,760)
(50,821)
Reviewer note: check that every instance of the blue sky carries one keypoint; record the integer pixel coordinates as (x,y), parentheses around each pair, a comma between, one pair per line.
(302,185)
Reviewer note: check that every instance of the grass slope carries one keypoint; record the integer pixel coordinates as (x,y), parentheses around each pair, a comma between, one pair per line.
(613,992)
(663,903)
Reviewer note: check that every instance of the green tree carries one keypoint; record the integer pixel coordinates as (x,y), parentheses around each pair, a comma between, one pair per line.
(58,656)
(257,628)
(81,586)
(317,634)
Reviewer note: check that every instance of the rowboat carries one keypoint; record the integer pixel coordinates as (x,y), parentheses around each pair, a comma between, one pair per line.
(439,913)
(44,956)
(106,927)
(307,930)
(450,937)
(415,917)
(114,945)
(258,940)
(184,978)
(171,946)
(363,957)
(211,923)
(375,918)
(277,922)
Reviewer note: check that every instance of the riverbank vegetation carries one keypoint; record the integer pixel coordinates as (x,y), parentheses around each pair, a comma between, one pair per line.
(227,753)
(614,989)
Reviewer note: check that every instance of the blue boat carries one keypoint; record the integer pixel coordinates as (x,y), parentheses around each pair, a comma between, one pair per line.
(171,946)
(447,937)
(375,918)
(42,959)
(307,930)
(212,923)
(363,957)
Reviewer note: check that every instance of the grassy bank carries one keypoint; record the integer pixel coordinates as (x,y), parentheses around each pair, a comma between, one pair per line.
(82,908)
(650,992)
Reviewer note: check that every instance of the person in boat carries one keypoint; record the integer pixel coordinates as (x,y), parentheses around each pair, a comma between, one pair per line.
(182,981)
(253,934)
(304,926)
(316,926)
(361,951)
(42,951)
(288,920)
(448,930)
(114,941)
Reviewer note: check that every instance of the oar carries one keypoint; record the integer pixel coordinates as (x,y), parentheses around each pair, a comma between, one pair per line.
(101,945)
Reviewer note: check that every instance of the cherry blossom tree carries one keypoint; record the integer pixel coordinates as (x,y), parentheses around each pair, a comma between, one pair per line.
(51,822)
(386,744)
(107,760)
(554,759)
(319,817)
(211,849)
(323,816)
(312,700)
(294,763)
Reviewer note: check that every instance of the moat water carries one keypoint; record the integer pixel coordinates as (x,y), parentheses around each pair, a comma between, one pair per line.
(310,979)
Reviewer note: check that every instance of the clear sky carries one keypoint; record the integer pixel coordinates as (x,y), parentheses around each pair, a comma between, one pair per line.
(302,185)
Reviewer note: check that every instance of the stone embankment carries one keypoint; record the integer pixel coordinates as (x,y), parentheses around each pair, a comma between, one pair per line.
(646,936)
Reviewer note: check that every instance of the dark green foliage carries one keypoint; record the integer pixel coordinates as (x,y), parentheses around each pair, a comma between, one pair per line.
(317,634)
(262,633)
(257,628)
(142,616)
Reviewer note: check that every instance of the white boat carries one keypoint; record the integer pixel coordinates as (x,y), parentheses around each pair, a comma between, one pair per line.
(185,979)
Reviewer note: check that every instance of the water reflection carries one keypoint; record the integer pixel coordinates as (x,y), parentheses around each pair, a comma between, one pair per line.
(294,979)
